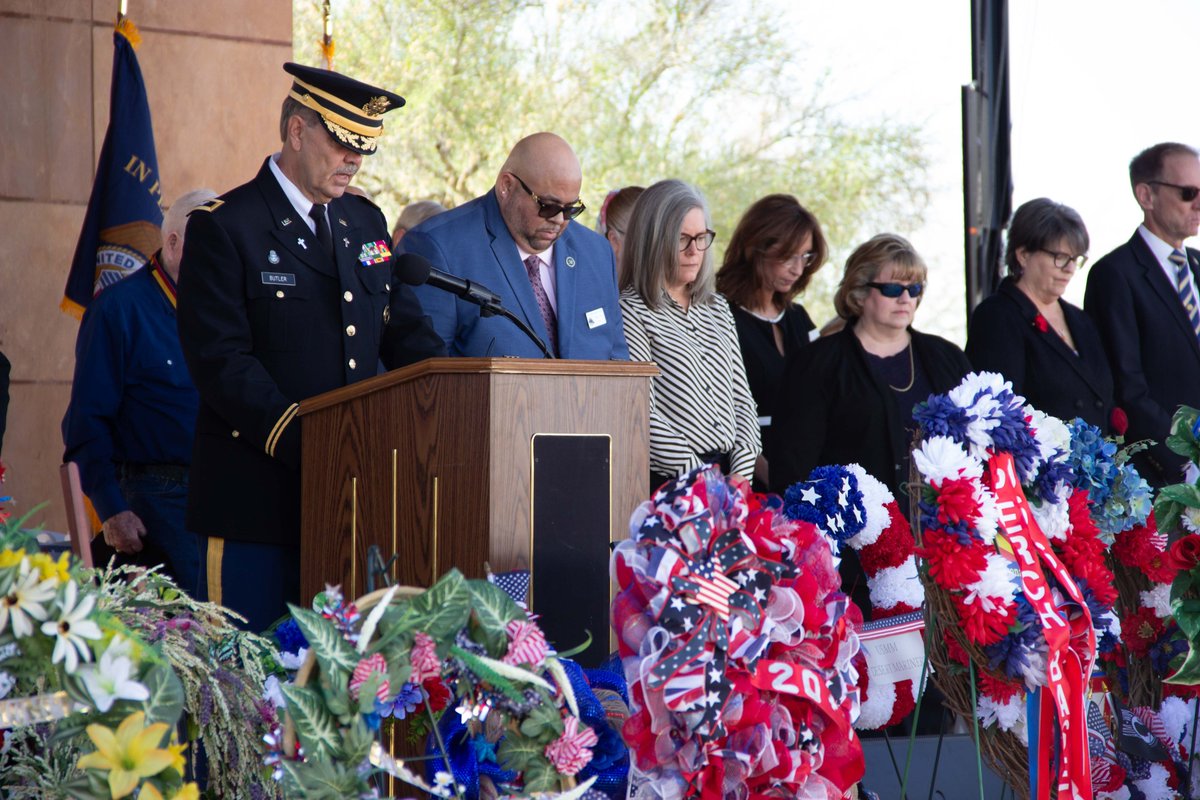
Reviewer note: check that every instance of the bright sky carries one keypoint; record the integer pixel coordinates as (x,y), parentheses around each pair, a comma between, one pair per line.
(1078,105)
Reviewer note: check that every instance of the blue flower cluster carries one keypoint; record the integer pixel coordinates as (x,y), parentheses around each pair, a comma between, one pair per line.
(939,416)
(1011,655)
(1119,497)
(829,499)
(290,639)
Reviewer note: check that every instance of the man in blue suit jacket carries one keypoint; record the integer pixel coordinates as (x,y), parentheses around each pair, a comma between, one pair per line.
(1134,295)
(519,241)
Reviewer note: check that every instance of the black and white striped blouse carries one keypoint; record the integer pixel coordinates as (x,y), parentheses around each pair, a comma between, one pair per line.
(701,403)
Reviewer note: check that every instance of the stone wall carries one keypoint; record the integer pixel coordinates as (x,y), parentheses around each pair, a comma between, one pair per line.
(212,72)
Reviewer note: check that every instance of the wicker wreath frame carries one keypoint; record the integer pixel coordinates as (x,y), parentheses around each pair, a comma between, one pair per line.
(1002,751)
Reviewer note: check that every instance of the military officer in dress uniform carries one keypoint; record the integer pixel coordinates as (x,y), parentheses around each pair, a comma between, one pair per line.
(285,291)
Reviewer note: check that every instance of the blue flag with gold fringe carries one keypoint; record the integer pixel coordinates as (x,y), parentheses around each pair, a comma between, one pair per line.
(121,229)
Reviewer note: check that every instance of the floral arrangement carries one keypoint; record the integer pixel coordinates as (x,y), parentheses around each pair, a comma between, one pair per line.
(848,505)
(64,655)
(737,646)
(464,637)
(1009,541)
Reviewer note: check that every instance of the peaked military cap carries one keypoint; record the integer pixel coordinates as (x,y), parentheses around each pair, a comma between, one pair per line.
(352,111)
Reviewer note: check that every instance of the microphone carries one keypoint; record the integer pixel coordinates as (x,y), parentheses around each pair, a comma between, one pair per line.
(415,270)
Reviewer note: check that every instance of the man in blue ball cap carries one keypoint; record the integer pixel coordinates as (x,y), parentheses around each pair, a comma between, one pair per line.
(285,291)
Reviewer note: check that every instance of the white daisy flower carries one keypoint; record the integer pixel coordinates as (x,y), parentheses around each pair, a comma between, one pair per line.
(1191,519)
(23,603)
(71,629)
(110,680)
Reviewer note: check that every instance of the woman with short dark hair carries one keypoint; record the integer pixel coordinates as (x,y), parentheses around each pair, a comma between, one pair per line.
(701,409)
(776,249)
(1049,349)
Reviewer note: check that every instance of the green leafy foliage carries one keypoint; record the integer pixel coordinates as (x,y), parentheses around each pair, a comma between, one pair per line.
(315,725)
(716,93)
(166,700)
(492,609)
(333,652)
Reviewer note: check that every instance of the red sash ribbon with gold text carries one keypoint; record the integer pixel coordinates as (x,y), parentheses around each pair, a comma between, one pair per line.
(1068,632)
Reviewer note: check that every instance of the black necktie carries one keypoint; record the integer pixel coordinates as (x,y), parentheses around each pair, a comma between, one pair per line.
(317,212)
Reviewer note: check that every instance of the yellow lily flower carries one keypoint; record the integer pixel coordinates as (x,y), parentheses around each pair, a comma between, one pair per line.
(10,558)
(177,760)
(189,791)
(129,755)
(49,568)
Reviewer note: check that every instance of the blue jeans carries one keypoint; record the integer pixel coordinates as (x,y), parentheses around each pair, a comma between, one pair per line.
(161,504)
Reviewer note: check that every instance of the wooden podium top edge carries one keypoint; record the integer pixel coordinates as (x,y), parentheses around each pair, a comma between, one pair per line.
(498,366)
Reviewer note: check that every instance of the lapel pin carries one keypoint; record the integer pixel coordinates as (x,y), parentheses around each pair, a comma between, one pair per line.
(286,221)
(302,243)
(343,222)
(273,257)
(346,241)
(570,261)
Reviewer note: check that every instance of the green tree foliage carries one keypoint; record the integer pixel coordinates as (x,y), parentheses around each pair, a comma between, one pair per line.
(711,91)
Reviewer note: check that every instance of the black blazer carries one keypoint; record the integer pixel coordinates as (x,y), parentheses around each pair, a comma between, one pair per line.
(834,410)
(1152,350)
(266,319)
(1004,338)
(764,364)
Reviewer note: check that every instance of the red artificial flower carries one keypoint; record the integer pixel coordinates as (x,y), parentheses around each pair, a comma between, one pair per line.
(954,651)
(526,643)
(423,657)
(956,502)
(1136,549)
(1080,515)
(374,664)
(1185,552)
(999,689)
(1140,630)
(1040,323)
(438,694)
(983,627)
(892,548)
(1118,420)
(951,564)
(1179,690)
(1099,580)
(571,751)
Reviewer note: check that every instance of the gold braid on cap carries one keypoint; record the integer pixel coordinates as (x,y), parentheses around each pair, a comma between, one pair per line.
(351,139)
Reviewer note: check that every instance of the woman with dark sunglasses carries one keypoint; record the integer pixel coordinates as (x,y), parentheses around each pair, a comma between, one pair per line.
(1049,349)
(848,397)
(701,409)
(772,256)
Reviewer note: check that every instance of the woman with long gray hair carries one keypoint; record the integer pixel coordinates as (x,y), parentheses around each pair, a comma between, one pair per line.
(701,409)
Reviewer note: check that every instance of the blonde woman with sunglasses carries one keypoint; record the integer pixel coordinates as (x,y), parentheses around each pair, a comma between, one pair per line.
(848,397)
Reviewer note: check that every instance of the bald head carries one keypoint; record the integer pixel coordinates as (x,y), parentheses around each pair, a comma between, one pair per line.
(548,167)
(544,156)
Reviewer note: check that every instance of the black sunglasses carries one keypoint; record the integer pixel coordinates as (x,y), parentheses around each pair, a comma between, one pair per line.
(894,290)
(1186,193)
(551,210)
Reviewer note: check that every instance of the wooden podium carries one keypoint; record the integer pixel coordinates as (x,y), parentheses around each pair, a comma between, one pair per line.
(454,462)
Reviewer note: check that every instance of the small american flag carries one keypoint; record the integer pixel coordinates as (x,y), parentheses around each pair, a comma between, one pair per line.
(713,589)
(515,584)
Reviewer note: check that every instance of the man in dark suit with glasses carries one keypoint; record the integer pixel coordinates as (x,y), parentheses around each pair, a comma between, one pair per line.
(1143,297)
(520,241)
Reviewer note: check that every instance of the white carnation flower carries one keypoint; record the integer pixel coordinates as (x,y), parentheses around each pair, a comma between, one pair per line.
(988,523)
(1050,433)
(876,496)
(940,458)
(894,585)
(1006,715)
(1156,787)
(997,584)
(1158,599)
(1053,518)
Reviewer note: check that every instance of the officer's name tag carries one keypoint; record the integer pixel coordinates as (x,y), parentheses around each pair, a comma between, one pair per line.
(595,318)
(279,278)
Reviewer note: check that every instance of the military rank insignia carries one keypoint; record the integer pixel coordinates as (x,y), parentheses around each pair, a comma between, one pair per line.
(374,253)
